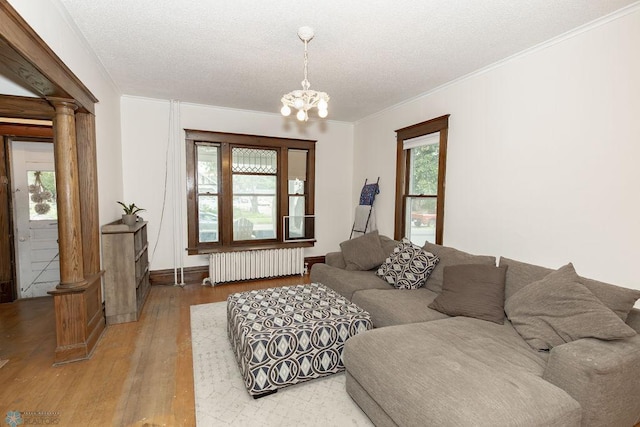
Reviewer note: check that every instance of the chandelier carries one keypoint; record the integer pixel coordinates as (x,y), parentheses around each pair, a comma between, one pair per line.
(305,99)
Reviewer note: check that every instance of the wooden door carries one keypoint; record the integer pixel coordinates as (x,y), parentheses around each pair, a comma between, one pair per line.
(35,218)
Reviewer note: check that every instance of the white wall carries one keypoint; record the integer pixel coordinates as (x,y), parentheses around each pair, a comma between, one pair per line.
(145,137)
(50,21)
(544,152)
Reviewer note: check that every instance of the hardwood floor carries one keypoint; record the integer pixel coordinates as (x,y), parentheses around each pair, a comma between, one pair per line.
(140,374)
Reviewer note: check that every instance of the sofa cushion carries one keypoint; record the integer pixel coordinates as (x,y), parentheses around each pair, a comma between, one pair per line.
(446,372)
(633,319)
(559,309)
(408,266)
(346,282)
(364,252)
(335,259)
(472,290)
(389,307)
(520,274)
(620,300)
(450,256)
(388,244)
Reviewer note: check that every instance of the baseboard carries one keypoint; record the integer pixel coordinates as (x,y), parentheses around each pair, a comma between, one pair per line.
(199,273)
(313,260)
(191,275)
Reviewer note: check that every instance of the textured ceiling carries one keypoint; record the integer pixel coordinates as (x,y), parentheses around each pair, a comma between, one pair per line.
(368,55)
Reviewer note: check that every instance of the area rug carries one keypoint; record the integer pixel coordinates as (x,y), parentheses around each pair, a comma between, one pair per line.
(222,399)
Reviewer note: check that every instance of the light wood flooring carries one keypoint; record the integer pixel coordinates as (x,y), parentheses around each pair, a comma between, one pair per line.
(140,374)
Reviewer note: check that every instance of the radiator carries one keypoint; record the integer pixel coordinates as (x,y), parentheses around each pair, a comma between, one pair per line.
(256,264)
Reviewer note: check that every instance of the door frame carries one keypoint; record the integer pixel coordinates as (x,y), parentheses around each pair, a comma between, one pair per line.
(10,133)
(8,278)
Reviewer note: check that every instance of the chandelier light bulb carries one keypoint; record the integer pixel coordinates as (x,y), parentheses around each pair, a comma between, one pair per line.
(305,99)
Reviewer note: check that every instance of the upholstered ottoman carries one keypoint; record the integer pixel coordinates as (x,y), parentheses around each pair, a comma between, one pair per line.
(283,336)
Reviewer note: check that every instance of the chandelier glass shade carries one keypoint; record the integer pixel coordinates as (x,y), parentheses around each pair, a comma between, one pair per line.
(305,99)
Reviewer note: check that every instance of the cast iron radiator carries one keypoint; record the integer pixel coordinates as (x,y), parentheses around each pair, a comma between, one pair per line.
(255,264)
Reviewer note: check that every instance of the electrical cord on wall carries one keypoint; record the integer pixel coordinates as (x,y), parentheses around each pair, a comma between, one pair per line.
(170,132)
(164,194)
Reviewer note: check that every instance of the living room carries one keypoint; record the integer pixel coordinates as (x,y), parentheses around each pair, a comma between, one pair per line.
(541,155)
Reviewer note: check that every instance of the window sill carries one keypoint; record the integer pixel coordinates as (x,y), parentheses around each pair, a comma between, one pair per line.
(251,247)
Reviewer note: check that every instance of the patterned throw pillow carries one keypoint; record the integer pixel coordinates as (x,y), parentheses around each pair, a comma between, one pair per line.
(408,266)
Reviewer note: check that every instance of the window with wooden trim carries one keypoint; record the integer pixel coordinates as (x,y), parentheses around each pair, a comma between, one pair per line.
(248,192)
(420,181)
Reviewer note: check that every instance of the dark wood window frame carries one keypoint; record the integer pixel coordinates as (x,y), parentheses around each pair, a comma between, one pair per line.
(439,124)
(225,192)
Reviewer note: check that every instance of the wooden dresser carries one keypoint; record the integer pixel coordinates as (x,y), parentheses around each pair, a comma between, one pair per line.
(125,259)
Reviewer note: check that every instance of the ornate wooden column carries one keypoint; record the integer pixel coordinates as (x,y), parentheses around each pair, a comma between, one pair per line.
(77,299)
(68,195)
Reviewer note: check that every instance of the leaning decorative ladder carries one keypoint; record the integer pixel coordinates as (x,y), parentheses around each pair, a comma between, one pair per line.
(255,264)
(365,207)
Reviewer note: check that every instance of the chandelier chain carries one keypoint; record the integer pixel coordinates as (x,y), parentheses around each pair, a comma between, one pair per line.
(305,82)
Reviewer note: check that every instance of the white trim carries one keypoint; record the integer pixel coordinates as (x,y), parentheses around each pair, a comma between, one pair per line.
(421,141)
(239,110)
(627,10)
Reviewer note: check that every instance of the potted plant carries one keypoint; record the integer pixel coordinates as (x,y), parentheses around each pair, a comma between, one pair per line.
(130,216)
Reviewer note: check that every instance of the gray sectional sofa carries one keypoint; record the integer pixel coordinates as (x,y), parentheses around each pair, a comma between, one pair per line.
(422,367)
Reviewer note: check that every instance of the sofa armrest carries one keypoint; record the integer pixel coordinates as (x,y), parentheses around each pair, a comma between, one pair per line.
(602,376)
(335,259)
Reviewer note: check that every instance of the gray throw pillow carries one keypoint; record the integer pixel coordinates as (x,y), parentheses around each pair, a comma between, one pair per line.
(472,290)
(520,274)
(451,256)
(559,309)
(364,252)
(408,266)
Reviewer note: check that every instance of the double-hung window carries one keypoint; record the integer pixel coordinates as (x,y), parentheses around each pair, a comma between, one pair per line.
(420,181)
(246,191)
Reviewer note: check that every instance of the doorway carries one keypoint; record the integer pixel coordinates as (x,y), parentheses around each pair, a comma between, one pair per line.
(35,218)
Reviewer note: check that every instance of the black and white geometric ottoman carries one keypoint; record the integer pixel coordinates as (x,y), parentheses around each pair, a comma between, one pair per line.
(283,336)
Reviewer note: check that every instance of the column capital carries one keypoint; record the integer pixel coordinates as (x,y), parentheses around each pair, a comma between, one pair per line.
(63,103)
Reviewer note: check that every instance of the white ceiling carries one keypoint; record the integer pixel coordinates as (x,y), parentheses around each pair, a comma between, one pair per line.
(368,55)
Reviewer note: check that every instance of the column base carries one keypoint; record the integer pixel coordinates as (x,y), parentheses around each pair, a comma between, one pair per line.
(79,319)
(72,285)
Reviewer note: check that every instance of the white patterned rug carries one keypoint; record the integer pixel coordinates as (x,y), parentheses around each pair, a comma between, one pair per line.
(222,399)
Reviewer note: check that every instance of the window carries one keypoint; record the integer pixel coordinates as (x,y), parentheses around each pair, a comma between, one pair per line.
(42,199)
(247,191)
(420,181)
